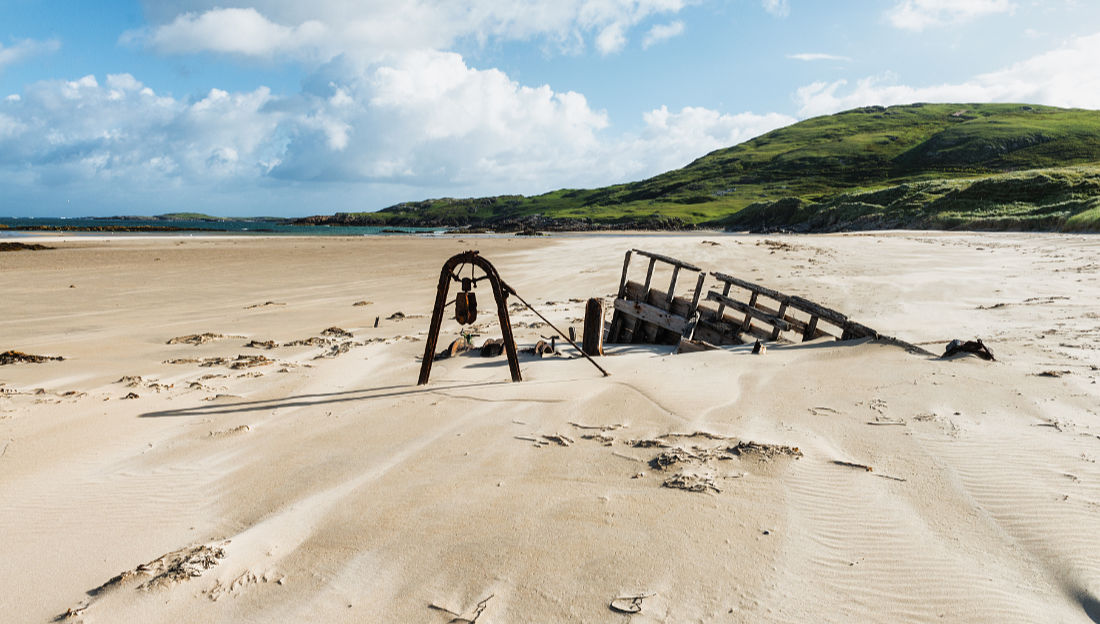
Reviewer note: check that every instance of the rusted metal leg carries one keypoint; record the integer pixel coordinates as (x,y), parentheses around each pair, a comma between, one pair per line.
(437,321)
(502,314)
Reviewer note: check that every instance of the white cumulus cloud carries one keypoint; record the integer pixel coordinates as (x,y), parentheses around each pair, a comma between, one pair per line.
(917,15)
(240,31)
(26,48)
(673,139)
(323,29)
(663,32)
(1067,76)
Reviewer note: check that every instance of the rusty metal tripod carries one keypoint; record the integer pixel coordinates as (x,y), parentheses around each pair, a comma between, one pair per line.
(500,292)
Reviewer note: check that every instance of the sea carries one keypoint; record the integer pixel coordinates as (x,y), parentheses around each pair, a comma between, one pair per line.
(236,227)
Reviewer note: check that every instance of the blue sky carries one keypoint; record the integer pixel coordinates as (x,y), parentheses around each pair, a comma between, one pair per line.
(282,107)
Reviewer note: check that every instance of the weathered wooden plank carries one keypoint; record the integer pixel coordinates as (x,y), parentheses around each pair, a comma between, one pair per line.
(622,282)
(649,275)
(651,314)
(750,312)
(814,309)
(698,291)
(626,335)
(811,329)
(854,330)
(672,285)
(656,299)
(781,313)
(755,288)
(725,293)
(668,259)
(746,323)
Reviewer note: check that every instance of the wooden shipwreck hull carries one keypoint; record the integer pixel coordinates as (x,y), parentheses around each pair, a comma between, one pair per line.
(737,312)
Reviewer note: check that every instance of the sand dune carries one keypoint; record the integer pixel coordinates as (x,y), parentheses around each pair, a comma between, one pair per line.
(321,484)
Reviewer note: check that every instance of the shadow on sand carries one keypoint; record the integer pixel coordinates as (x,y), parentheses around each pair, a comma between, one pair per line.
(306,400)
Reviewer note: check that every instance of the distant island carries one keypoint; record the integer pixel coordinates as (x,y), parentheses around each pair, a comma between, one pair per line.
(919,166)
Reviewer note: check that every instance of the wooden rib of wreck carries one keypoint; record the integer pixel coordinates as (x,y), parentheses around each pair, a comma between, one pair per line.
(737,313)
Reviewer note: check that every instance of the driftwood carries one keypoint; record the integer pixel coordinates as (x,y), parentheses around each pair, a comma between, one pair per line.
(14,357)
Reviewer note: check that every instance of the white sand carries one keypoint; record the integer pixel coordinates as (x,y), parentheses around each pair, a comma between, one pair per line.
(340,491)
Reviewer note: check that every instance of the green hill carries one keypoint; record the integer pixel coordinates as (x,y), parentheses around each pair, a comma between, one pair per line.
(985,166)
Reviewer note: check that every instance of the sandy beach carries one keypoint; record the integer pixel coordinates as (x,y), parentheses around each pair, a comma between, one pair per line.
(232,479)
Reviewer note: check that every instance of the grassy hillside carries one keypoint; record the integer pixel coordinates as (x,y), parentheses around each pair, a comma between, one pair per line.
(921,165)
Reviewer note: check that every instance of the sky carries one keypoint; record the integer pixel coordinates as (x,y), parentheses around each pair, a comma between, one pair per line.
(289,108)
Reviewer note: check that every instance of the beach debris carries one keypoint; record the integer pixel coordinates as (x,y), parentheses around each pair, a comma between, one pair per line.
(759,348)
(629,604)
(336,332)
(361,303)
(195,339)
(597,427)
(261,344)
(18,357)
(1053,373)
(458,618)
(698,434)
(492,347)
(560,439)
(22,247)
(312,341)
(130,381)
(867,468)
(263,305)
(606,440)
(335,350)
(975,347)
(248,361)
(764,451)
(396,316)
(232,431)
(543,348)
(648,443)
(886,422)
(167,570)
(458,345)
(131,395)
(666,459)
(691,482)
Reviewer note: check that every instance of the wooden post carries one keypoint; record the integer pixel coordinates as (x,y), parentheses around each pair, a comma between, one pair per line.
(622,282)
(725,293)
(782,312)
(745,324)
(648,278)
(811,329)
(672,285)
(592,340)
(698,292)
